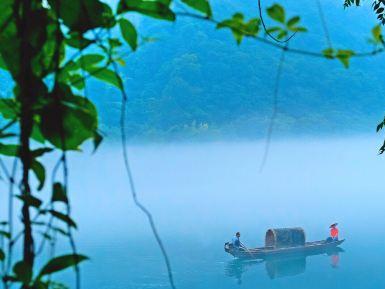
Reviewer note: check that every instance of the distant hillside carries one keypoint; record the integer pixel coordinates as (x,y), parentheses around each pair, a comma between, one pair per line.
(195,82)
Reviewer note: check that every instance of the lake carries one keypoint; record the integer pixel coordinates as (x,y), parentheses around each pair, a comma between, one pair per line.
(201,194)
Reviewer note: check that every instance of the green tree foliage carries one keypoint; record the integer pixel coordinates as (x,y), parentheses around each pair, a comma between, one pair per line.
(378,7)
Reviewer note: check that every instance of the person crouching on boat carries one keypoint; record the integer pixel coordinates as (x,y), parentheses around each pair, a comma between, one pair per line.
(236,242)
(333,233)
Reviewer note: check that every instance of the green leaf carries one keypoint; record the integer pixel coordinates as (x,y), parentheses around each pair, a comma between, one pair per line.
(348,3)
(36,134)
(200,5)
(81,16)
(5,234)
(77,81)
(2,63)
(9,108)
(50,42)
(65,218)
(106,75)
(89,60)
(274,29)
(70,122)
(60,231)
(70,66)
(61,263)
(41,151)
(377,34)
(129,33)
(2,255)
(23,272)
(276,12)
(380,126)
(344,56)
(235,25)
(156,9)
(115,42)
(10,43)
(59,193)
(329,53)
(77,40)
(282,34)
(239,27)
(98,138)
(298,29)
(10,150)
(292,25)
(293,21)
(382,149)
(30,200)
(39,171)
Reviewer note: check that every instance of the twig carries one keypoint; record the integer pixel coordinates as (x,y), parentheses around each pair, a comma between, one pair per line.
(133,187)
(323,22)
(277,45)
(275,110)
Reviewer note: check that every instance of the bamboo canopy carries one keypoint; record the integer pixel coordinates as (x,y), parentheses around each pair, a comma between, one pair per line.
(285,237)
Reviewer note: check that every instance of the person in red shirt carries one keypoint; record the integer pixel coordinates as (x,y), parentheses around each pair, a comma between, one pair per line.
(333,233)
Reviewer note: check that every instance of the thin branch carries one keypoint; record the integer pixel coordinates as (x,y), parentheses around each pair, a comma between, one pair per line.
(50,206)
(44,210)
(10,212)
(5,170)
(323,22)
(133,187)
(69,229)
(277,45)
(8,125)
(275,110)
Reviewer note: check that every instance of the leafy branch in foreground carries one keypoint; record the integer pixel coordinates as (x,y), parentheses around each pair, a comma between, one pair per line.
(378,8)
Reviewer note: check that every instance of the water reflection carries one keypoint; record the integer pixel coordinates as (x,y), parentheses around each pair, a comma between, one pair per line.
(279,267)
(284,267)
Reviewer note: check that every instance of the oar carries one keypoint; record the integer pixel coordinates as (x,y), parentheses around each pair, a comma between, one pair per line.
(248,251)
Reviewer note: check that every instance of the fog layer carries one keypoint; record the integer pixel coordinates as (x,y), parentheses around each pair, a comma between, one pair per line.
(211,190)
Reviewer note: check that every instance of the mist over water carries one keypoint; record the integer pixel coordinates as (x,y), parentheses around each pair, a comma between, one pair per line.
(200,194)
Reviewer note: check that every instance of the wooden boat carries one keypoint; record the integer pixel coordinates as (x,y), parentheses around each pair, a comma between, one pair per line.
(283,242)
(279,266)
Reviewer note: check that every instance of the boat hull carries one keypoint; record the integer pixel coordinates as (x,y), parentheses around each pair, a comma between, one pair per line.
(310,248)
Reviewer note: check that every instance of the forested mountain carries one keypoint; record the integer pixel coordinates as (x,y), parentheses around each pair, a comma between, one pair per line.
(195,82)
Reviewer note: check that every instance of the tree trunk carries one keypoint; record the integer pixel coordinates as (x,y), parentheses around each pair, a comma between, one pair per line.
(27,97)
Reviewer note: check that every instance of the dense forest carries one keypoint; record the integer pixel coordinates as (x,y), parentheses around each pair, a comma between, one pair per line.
(188,81)
(192,82)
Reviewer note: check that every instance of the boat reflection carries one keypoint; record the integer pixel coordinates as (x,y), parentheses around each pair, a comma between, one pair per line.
(279,267)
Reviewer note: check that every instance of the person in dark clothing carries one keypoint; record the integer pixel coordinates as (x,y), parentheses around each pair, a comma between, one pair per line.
(236,242)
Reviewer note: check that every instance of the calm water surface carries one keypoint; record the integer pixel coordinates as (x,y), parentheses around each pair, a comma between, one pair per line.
(201,194)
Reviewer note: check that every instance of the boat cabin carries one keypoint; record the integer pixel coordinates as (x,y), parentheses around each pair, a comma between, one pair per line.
(284,238)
